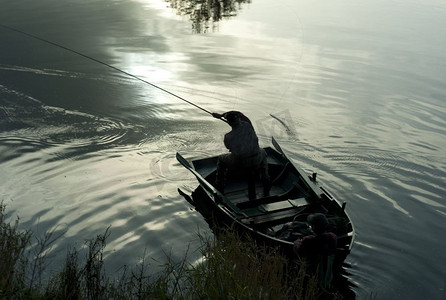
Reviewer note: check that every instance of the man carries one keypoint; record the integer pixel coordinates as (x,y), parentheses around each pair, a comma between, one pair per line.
(244,151)
(319,249)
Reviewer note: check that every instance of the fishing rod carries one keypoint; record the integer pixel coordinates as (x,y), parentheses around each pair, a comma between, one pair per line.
(103,63)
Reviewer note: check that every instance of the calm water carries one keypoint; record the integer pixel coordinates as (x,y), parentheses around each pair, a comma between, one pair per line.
(361,87)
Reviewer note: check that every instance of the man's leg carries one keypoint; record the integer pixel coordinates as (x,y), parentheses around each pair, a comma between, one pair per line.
(223,163)
(264,173)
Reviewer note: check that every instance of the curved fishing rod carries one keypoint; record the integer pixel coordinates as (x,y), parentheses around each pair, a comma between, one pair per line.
(105,64)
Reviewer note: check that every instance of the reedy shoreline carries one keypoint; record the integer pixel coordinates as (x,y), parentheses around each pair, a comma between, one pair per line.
(232,268)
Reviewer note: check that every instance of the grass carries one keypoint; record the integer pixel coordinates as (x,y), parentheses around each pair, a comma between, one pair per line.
(232,268)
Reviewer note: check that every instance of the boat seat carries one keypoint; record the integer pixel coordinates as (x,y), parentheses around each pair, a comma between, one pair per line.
(275,217)
(275,206)
(291,193)
(270,207)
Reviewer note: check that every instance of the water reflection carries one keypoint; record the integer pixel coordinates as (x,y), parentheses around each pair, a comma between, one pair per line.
(205,14)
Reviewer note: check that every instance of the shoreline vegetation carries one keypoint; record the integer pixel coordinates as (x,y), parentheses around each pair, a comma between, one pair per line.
(232,268)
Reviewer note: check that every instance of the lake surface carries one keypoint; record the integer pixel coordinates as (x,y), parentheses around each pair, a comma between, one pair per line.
(360,86)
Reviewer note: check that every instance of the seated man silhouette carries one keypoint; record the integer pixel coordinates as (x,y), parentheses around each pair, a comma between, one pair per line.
(318,250)
(244,151)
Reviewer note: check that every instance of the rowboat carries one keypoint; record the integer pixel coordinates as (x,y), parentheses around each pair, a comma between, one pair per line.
(277,219)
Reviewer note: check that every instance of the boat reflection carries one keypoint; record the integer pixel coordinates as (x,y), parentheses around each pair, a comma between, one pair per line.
(206,14)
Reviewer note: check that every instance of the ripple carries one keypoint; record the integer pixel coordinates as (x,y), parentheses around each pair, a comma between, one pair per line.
(363,103)
(64,74)
(74,133)
(382,245)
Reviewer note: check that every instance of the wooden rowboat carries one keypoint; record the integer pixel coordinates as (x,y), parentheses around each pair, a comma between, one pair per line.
(278,219)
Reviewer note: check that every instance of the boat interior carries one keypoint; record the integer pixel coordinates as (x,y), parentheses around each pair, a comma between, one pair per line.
(290,199)
(288,196)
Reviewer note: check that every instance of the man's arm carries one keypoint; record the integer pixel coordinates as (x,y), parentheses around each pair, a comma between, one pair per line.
(240,114)
(217,115)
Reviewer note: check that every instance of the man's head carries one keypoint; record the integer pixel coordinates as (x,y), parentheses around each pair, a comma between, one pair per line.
(233,118)
(318,223)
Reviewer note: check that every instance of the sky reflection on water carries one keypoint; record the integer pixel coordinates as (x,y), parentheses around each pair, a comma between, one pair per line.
(359,88)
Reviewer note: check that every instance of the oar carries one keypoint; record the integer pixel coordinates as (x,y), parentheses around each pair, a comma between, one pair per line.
(277,146)
(186,196)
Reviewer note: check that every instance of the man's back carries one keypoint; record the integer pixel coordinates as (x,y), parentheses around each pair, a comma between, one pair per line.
(319,252)
(242,140)
(323,244)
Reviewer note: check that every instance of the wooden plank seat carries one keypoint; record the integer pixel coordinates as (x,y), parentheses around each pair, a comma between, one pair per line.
(268,208)
(290,194)
(278,213)
(285,204)
(272,219)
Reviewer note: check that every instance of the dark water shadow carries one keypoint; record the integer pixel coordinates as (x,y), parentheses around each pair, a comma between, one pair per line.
(206,14)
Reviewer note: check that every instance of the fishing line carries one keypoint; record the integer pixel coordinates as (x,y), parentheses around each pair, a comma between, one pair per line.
(105,64)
